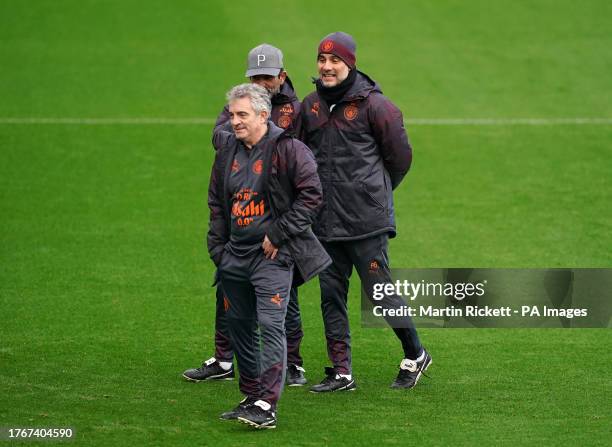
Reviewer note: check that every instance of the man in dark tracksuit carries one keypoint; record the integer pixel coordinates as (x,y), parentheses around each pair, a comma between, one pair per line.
(265,68)
(358,138)
(264,194)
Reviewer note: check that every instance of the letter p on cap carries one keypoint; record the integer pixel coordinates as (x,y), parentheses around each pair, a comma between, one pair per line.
(260,58)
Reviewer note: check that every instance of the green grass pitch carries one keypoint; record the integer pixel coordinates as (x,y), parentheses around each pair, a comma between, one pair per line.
(105,282)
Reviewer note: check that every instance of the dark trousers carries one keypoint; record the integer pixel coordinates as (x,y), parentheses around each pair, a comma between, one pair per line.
(257,295)
(370,259)
(293,329)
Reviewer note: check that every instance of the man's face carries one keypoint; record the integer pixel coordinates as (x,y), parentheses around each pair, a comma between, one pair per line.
(332,69)
(248,125)
(271,83)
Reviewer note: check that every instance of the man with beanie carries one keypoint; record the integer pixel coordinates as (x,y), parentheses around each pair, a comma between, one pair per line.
(263,196)
(358,138)
(265,68)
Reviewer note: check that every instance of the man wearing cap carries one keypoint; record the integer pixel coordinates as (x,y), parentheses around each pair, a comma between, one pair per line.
(363,153)
(263,196)
(265,68)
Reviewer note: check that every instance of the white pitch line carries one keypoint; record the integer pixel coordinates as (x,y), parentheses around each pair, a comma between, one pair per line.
(108,121)
(507,121)
(410,122)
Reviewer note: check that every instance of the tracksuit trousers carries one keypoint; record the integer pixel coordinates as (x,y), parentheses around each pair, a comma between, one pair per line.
(257,293)
(369,256)
(293,329)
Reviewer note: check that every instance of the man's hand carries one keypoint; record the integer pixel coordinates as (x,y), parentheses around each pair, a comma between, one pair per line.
(269,249)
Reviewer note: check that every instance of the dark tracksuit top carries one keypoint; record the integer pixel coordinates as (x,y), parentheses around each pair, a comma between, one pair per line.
(363,154)
(250,214)
(293,190)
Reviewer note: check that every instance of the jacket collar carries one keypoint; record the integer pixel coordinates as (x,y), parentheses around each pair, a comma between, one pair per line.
(363,86)
(286,94)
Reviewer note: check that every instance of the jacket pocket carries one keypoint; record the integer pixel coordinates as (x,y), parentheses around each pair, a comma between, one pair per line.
(283,259)
(309,255)
(371,196)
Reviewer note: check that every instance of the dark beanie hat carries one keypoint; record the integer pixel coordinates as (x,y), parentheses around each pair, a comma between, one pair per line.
(339,44)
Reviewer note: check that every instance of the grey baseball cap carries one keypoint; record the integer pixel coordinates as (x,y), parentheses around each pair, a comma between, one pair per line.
(264,60)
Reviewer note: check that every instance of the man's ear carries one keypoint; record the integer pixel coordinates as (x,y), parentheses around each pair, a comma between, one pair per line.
(282,76)
(264,116)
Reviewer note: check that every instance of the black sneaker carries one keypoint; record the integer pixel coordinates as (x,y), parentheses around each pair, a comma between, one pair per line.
(333,382)
(410,372)
(210,370)
(295,376)
(239,410)
(259,415)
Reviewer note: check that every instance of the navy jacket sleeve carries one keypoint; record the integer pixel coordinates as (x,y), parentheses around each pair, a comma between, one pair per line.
(296,121)
(300,125)
(223,120)
(223,117)
(218,233)
(308,193)
(387,124)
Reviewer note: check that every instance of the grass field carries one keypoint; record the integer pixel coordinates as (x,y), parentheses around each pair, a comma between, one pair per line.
(105,281)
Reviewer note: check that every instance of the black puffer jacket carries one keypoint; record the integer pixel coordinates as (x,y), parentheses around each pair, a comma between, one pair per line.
(363,153)
(285,109)
(291,187)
